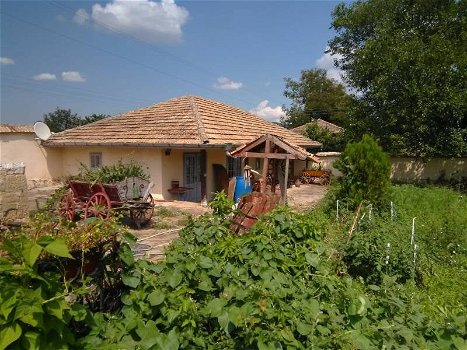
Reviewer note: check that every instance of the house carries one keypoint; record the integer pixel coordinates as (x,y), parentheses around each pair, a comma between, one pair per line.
(180,141)
(19,146)
(322,124)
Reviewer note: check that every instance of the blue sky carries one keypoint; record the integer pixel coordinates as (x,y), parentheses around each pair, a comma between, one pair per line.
(114,56)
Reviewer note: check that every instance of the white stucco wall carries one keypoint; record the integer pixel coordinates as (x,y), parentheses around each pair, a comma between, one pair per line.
(428,170)
(162,168)
(41,164)
(149,158)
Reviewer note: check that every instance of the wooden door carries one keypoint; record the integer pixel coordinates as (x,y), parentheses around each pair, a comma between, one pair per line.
(192,176)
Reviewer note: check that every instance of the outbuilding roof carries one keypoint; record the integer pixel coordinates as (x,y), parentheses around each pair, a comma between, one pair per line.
(16,128)
(323,124)
(184,121)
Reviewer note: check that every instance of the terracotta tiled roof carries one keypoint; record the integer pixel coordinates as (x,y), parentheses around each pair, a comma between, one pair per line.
(182,121)
(16,128)
(322,124)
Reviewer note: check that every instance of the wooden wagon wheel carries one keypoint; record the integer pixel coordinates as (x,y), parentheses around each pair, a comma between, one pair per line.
(325,179)
(67,206)
(306,179)
(141,216)
(98,206)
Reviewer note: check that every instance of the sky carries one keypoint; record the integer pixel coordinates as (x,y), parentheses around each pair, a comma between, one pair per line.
(110,57)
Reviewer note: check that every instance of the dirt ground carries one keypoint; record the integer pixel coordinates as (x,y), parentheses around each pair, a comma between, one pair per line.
(170,216)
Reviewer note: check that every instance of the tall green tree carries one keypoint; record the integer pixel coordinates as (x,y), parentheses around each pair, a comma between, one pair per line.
(315,96)
(366,170)
(62,119)
(407,61)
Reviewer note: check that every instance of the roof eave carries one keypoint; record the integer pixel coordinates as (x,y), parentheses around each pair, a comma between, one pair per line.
(129,145)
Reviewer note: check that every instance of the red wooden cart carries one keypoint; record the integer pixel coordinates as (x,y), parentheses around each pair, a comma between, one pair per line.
(84,200)
(322,177)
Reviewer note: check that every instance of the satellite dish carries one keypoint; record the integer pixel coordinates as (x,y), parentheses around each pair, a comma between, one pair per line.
(42,131)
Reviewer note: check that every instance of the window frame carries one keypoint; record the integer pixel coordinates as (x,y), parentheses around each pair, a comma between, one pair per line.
(234,167)
(93,156)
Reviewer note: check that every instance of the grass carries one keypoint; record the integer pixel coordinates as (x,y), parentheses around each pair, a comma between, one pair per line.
(440,233)
(168,218)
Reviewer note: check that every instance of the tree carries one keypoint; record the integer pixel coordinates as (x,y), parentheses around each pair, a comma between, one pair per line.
(330,141)
(315,96)
(366,170)
(62,119)
(406,60)
(92,118)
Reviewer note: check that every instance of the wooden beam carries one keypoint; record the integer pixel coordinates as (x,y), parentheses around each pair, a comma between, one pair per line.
(269,155)
(264,174)
(286,180)
(239,151)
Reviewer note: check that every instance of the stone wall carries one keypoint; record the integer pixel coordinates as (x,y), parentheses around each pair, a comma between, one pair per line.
(13,192)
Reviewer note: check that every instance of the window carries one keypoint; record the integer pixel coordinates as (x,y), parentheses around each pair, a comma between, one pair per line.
(234,167)
(96,160)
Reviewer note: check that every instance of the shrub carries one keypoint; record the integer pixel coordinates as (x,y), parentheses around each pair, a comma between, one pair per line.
(366,170)
(35,313)
(112,173)
(221,205)
(382,248)
(270,289)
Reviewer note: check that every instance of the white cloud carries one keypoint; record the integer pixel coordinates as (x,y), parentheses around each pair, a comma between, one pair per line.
(73,77)
(264,111)
(326,61)
(6,60)
(81,16)
(45,76)
(144,19)
(224,83)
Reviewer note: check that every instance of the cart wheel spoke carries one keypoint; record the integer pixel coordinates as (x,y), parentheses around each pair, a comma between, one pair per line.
(141,216)
(98,206)
(66,207)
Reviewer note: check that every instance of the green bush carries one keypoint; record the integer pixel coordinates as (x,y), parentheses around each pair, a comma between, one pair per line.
(221,205)
(330,141)
(270,289)
(112,173)
(366,170)
(35,313)
(382,248)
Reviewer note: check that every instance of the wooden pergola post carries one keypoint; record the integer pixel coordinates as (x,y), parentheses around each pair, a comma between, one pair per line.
(286,180)
(267,150)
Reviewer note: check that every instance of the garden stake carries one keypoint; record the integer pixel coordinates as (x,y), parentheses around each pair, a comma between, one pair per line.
(415,248)
(412,238)
(354,221)
(392,211)
(370,212)
(359,221)
(388,247)
(337,210)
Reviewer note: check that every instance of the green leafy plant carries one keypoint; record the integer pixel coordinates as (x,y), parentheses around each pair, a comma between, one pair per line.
(272,288)
(35,313)
(330,141)
(112,173)
(366,170)
(221,205)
